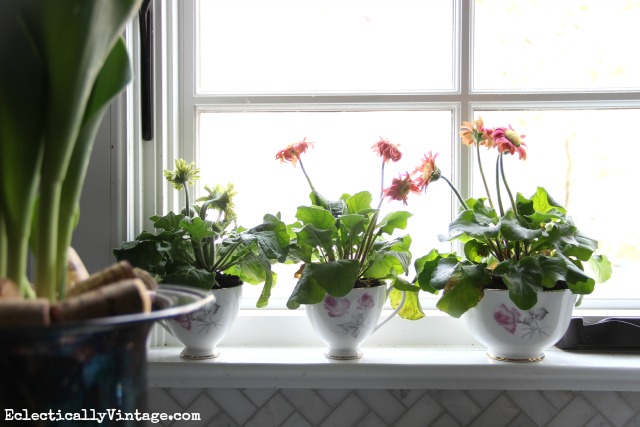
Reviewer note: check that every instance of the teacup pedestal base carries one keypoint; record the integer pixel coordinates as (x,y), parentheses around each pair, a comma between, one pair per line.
(199,354)
(343,354)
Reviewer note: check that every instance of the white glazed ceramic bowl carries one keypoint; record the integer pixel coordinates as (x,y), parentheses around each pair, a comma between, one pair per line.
(344,323)
(511,334)
(201,331)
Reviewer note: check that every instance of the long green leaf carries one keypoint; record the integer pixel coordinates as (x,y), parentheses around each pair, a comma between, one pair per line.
(22,118)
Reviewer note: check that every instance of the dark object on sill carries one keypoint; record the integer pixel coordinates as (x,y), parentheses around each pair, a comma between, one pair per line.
(145,17)
(611,334)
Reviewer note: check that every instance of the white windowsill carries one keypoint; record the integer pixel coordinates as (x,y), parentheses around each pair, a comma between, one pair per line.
(435,367)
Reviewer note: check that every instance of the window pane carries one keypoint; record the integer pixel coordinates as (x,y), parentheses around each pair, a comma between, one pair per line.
(572,154)
(549,44)
(241,148)
(326,46)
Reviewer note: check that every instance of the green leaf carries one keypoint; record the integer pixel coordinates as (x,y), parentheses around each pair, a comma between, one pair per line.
(577,280)
(271,237)
(601,266)
(523,278)
(336,208)
(464,289)
(554,270)
(467,224)
(580,246)
(483,213)
(442,274)
(146,254)
(352,224)
(316,216)
(311,236)
(543,202)
(359,202)
(336,277)
(425,266)
(191,276)
(394,220)
(411,309)
(197,228)
(512,229)
(169,222)
(476,251)
(307,291)
(22,123)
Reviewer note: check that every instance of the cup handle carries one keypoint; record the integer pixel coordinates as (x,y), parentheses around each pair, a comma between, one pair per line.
(398,308)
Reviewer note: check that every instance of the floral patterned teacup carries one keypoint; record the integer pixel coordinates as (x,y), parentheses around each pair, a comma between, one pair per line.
(202,330)
(511,334)
(344,323)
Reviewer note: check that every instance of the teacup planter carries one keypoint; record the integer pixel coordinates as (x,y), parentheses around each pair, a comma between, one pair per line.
(345,323)
(202,330)
(515,335)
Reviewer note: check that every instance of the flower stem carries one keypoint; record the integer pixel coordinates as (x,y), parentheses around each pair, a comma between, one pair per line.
(504,180)
(513,204)
(498,185)
(306,176)
(455,191)
(186,198)
(3,246)
(382,180)
(484,180)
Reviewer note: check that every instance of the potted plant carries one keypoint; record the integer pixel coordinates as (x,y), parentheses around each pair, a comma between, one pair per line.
(348,254)
(64,61)
(203,247)
(524,258)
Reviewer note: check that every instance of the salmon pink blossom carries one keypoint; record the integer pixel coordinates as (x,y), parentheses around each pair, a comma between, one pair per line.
(292,152)
(401,187)
(387,150)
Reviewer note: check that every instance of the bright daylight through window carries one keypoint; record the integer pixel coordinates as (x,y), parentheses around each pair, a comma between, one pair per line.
(344,74)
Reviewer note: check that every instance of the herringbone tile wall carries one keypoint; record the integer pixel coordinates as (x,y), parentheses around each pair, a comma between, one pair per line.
(410,408)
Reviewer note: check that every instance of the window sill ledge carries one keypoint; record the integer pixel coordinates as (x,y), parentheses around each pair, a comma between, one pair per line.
(444,367)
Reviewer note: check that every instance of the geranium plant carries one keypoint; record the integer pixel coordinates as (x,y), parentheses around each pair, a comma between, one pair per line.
(344,244)
(525,245)
(202,246)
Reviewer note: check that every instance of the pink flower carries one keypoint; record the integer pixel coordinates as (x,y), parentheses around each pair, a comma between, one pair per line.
(427,172)
(508,140)
(387,150)
(293,151)
(365,301)
(507,318)
(336,307)
(401,187)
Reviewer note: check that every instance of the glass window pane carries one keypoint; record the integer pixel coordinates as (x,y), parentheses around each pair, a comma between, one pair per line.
(555,45)
(325,46)
(571,153)
(241,148)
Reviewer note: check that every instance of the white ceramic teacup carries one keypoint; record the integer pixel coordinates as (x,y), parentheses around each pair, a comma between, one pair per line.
(344,323)
(202,330)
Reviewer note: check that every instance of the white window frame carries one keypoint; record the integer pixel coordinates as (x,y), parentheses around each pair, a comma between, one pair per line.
(175,137)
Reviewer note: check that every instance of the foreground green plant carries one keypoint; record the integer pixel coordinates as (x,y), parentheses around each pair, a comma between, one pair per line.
(192,249)
(64,61)
(528,247)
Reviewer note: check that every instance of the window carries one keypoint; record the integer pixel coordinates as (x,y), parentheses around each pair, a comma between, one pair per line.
(254,76)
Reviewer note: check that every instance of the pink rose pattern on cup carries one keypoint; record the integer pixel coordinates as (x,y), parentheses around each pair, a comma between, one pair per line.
(531,325)
(339,307)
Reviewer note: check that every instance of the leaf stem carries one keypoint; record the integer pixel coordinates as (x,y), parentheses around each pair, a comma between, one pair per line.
(49,210)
